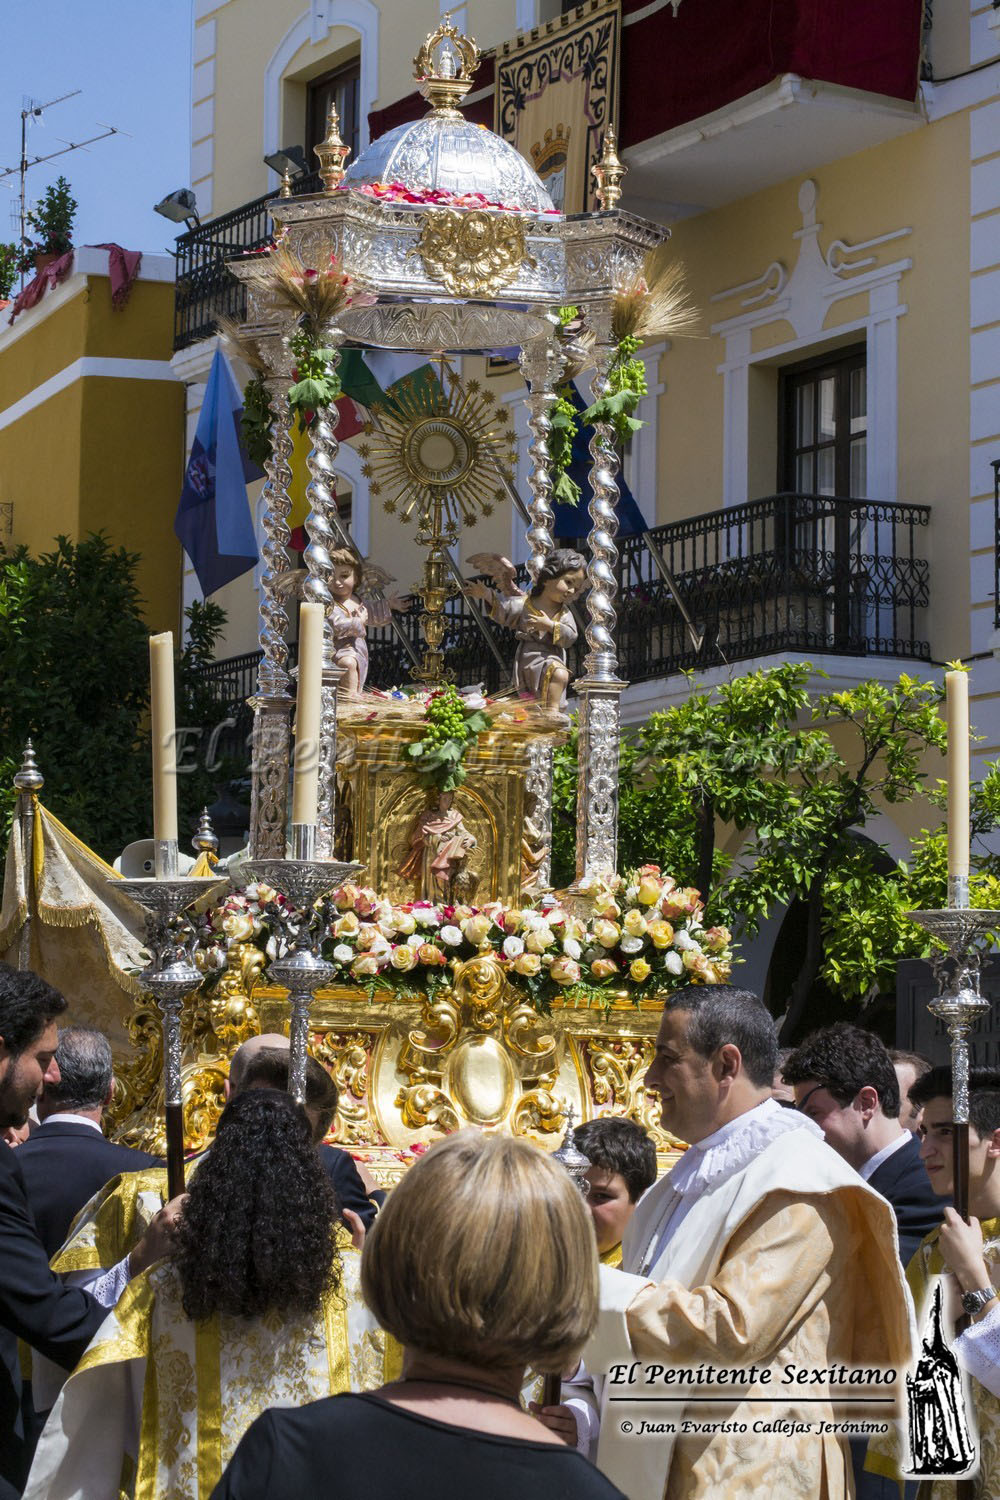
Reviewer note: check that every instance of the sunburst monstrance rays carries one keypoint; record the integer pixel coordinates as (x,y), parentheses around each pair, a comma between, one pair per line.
(453,445)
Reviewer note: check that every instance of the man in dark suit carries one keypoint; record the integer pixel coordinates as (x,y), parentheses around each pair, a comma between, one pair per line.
(67,1159)
(844,1079)
(34,1304)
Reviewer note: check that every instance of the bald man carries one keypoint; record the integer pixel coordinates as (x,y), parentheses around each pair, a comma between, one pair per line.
(118,1215)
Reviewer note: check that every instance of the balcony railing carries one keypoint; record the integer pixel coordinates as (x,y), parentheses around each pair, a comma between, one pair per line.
(788,573)
(204,286)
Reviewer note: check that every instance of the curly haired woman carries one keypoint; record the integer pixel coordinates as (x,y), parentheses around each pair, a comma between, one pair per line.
(259,1306)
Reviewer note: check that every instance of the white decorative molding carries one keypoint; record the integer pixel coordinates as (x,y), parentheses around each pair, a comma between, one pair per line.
(314,25)
(802,298)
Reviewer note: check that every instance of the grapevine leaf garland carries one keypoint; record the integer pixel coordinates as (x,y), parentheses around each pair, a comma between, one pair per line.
(450,728)
(255,422)
(627,386)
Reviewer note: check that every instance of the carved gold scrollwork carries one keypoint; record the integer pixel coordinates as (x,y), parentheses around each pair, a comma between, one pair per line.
(347,1054)
(482,1056)
(472,252)
(617,1068)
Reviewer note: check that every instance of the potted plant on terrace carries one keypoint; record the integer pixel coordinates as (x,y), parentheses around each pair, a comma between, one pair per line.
(52,221)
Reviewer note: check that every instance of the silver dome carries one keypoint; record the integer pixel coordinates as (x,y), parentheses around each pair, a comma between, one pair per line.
(447,151)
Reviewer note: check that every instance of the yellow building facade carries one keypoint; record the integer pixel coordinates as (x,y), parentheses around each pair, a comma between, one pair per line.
(92,421)
(843,247)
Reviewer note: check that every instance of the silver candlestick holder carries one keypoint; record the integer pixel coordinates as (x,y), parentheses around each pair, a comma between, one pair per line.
(299,967)
(170,976)
(965,933)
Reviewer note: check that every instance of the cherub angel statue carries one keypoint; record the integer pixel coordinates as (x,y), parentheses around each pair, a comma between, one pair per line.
(360,600)
(541,619)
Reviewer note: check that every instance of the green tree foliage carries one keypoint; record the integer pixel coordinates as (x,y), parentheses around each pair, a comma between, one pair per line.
(74,665)
(800,779)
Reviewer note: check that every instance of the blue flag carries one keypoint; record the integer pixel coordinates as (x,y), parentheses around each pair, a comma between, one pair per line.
(574,520)
(213,517)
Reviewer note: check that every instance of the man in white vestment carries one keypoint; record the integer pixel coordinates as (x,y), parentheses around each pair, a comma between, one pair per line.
(757,1278)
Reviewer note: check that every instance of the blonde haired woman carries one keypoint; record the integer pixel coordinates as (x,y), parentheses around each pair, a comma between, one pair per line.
(481,1262)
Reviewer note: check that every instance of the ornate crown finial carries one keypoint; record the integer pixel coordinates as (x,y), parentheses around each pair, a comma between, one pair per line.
(608,171)
(333,152)
(445,65)
(29,778)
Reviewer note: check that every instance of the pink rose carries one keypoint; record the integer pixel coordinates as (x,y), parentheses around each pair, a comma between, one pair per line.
(565,970)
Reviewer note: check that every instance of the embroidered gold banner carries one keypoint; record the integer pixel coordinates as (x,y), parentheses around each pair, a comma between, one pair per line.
(556,90)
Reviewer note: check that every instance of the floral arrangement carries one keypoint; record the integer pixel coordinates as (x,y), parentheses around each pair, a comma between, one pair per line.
(451,725)
(398,192)
(643,935)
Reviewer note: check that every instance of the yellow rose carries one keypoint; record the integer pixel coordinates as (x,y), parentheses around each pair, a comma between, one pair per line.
(364,965)
(603,968)
(607,933)
(429,954)
(238,925)
(527,963)
(538,940)
(404,958)
(639,970)
(661,933)
(475,929)
(347,925)
(403,922)
(635,924)
(650,890)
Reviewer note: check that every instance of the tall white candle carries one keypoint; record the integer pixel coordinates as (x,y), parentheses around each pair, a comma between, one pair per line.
(305,796)
(957,705)
(164,732)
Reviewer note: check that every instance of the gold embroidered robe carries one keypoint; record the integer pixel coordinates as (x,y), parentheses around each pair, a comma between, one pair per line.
(983,1408)
(157,1404)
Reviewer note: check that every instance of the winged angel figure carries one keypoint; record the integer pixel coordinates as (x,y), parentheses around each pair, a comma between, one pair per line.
(542,619)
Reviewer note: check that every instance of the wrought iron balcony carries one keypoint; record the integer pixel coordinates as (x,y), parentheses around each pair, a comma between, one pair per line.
(204,286)
(788,573)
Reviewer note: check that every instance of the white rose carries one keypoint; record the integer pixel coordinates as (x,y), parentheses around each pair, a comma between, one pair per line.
(571,948)
(343,954)
(451,935)
(271,947)
(415,940)
(683,941)
(512,947)
(631,944)
(631,892)
(673,963)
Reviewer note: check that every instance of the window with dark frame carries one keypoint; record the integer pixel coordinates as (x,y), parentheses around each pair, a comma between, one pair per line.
(823,426)
(341,86)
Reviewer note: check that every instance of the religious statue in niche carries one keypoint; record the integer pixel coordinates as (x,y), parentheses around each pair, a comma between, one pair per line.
(440,845)
(358,601)
(542,619)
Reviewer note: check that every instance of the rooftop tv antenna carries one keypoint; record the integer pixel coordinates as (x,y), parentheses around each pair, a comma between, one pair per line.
(32,110)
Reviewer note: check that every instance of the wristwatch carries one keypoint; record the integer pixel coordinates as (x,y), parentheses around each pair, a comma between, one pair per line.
(974,1302)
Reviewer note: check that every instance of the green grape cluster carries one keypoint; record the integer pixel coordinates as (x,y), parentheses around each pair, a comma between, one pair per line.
(445,716)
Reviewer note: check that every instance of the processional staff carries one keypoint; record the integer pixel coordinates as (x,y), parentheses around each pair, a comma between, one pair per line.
(964,936)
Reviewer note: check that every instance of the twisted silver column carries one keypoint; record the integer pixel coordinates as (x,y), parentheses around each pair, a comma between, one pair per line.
(600,688)
(272,674)
(272,704)
(542,364)
(325,534)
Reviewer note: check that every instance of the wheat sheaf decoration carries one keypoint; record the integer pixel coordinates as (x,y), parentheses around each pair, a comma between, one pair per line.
(316,294)
(656,304)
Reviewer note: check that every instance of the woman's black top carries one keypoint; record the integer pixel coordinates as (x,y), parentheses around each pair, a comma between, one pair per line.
(349,1446)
